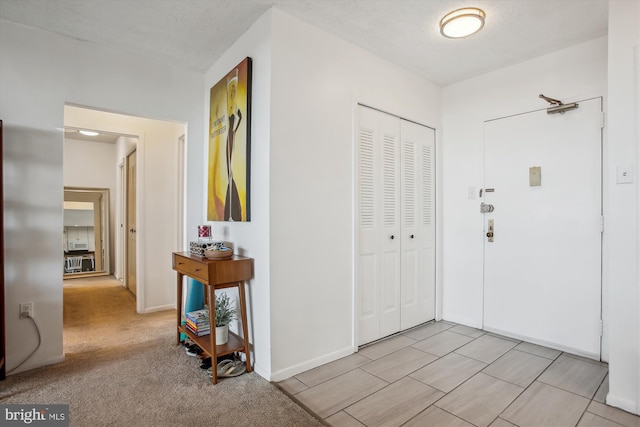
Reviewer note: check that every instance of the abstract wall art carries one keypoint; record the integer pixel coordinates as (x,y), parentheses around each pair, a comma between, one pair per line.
(229,164)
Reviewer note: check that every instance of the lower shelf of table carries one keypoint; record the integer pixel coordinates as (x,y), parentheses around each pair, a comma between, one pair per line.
(234,344)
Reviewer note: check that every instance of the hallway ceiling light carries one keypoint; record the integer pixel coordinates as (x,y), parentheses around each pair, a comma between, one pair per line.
(89,132)
(462,22)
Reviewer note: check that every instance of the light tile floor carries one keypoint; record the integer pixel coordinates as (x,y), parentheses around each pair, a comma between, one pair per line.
(448,375)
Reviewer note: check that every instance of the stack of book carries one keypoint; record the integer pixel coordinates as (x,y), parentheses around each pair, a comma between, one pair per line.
(198,322)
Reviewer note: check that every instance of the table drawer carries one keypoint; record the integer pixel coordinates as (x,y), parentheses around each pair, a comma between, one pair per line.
(198,270)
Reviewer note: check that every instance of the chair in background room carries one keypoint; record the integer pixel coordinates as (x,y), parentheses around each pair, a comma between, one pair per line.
(73,264)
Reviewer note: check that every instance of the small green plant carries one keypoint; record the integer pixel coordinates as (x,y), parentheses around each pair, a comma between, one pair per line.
(225,312)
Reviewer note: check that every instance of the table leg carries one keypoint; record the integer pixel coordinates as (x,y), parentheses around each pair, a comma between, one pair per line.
(179,304)
(245,332)
(212,319)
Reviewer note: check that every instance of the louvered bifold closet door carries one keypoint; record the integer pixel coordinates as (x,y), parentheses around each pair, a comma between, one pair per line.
(378,225)
(417,225)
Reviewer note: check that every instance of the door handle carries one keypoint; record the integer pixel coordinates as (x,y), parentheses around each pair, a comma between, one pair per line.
(490,231)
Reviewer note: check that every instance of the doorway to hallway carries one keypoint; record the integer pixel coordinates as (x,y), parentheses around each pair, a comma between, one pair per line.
(155,219)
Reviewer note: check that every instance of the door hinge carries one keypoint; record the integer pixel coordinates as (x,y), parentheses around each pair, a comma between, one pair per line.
(602,223)
(602,120)
(601,327)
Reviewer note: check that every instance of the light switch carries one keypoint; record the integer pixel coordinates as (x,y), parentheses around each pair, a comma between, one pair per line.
(472,193)
(535,176)
(624,174)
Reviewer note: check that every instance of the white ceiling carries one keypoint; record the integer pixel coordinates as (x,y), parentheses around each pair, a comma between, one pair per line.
(196,32)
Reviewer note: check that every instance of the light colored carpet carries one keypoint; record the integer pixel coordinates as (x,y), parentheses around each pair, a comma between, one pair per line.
(124,369)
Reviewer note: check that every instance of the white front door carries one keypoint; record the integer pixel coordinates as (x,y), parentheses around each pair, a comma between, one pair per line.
(542,271)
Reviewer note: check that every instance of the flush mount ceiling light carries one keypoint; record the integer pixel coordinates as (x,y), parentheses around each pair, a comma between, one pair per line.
(89,132)
(462,22)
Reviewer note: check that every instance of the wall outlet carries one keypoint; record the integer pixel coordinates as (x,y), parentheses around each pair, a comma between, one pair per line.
(26,310)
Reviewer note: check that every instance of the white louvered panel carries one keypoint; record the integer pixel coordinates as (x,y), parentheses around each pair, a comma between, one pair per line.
(367,180)
(394,273)
(418,278)
(390,181)
(409,184)
(427,186)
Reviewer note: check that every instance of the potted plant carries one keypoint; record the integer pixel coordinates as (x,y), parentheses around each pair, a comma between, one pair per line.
(225,313)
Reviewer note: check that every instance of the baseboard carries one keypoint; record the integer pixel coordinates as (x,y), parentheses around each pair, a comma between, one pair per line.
(462,321)
(262,372)
(159,308)
(624,404)
(37,364)
(553,345)
(283,374)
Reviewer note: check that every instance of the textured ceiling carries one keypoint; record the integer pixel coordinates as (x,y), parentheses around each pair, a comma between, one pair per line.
(196,32)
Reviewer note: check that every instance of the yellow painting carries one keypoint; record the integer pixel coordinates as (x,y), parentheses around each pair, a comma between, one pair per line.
(229,146)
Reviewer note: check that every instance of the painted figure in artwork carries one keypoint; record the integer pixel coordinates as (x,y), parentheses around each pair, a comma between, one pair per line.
(232,208)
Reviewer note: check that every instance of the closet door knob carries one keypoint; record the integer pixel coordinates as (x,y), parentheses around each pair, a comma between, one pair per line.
(393,237)
(411,236)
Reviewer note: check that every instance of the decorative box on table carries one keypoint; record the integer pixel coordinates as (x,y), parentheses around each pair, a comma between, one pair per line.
(198,248)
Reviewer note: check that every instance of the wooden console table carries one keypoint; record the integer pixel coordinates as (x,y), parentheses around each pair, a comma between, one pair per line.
(215,274)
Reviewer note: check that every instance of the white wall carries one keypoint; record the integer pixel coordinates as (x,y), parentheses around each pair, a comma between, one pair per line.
(305,86)
(250,238)
(317,79)
(39,72)
(571,74)
(91,164)
(621,213)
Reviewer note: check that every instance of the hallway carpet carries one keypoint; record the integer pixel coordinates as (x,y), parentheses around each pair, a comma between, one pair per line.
(122,368)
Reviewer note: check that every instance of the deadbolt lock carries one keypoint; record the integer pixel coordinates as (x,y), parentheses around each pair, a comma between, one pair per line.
(486,208)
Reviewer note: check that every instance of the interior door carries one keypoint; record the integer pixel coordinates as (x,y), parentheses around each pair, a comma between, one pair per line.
(395,247)
(542,271)
(378,222)
(418,225)
(98,259)
(131,222)
(3,368)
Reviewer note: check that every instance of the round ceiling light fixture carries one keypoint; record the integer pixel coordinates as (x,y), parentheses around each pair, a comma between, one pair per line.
(462,22)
